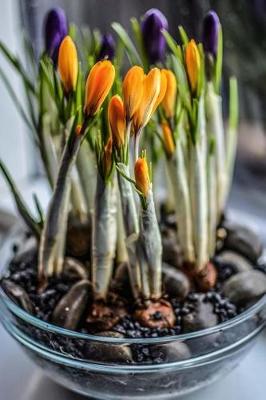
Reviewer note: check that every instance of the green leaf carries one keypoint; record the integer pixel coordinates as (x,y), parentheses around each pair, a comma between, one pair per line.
(139,40)
(132,53)
(183,34)
(16,101)
(171,43)
(39,210)
(219,62)
(233,103)
(21,206)
(14,61)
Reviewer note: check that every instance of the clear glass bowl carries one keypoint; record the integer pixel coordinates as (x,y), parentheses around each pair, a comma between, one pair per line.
(104,371)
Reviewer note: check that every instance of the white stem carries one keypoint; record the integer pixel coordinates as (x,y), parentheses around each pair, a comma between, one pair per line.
(212,202)
(79,209)
(87,170)
(198,190)
(178,174)
(150,239)
(215,127)
(105,236)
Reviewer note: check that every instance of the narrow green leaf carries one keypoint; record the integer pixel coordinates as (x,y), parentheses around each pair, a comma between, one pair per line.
(219,62)
(183,35)
(132,53)
(171,43)
(233,103)
(139,40)
(21,206)
(39,210)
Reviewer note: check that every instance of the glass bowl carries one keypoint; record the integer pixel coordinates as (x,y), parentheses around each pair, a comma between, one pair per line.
(105,369)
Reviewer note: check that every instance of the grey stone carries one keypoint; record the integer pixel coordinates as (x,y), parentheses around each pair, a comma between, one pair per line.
(242,240)
(201,318)
(172,253)
(105,352)
(18,295)
(237,261)
(72,305)
(171,352)
(245,287)
(175,282)
(75,269)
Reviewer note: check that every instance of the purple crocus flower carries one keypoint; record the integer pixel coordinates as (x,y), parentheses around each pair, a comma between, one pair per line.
(210,33)
(154,42)
(55,29)
(107,49)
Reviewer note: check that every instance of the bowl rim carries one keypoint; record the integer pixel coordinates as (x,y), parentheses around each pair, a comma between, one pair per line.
(47,326)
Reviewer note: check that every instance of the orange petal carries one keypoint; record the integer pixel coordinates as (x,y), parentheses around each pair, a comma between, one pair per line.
(151,91)
(68,64)
(168,139)
(142,176)
(98,85)
(169,99)
(163,88)
(132,90)
(117,121)
(107,157)
(192,59)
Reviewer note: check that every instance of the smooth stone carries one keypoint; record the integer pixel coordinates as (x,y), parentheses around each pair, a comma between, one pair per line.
(242,240)
(18,294)
(111,353)
(235,260)
(176,283)
(78,238)
(172,253)
(72,305)
(75,269)
(201,318)
(245,287)
(171,352)
(121,281)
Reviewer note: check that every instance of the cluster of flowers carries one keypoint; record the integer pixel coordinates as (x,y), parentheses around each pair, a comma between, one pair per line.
(168,102)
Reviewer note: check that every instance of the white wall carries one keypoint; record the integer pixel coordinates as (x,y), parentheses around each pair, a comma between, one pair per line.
(15,144)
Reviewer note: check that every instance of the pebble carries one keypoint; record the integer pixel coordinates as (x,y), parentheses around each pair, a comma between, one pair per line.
(203,316)
(245,287)
(242,240)
(74,269)
(172,253)
(72,305)
(175,282)
(170,352)
(103,352)
(18,294)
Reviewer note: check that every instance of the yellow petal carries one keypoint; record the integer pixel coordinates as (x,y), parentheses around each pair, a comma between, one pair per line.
(142,176)
(151,91)
(132,90)
(169,99)
(98,85)
(68,64)
(117,121)
(192,59)
(168,139)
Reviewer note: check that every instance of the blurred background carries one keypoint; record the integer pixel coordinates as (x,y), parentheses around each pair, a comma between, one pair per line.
(244,27)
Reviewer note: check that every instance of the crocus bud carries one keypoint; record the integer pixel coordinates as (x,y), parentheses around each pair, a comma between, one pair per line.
(168,139)
(192,59)
(68,64)
(142,176)
(132,90)
(108,158)
(154,42)
(211,25)
(55,29)
(117,121)
(98,85)
(107,49)
(169,99)
(150,94)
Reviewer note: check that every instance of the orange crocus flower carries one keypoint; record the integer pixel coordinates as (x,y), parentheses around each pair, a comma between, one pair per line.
(168,141)
(169,99)
(142,176)
(150,94)
(117,120)
(192,59)
(132,90)
(68,64)
(98,85)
